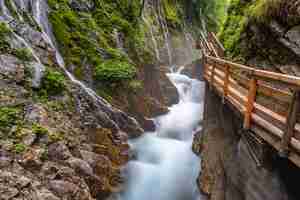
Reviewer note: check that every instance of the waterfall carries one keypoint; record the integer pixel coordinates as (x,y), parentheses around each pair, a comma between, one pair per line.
(39,68)
(40,14)
(166,36)
(110,116)
(163,24)
(155,45)
(165,167)
(4,11)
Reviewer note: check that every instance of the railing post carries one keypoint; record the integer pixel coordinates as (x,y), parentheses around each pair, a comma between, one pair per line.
(226,83)
(291,121)
(250,102)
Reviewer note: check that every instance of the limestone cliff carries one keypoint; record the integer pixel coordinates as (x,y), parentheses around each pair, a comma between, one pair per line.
(72,73)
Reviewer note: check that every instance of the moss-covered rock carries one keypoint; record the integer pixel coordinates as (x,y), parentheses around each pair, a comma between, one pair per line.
(114,71)
(8,117)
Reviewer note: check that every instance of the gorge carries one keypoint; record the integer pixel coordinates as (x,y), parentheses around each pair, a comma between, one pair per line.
(116,99)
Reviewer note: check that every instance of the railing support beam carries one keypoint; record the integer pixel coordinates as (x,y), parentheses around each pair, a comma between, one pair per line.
(250,103)
(291,121)
(226,83)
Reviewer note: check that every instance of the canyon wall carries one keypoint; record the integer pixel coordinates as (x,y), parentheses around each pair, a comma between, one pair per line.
(229,170)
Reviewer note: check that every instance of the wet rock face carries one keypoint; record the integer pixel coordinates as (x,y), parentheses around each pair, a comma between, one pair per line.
(69,145)
(11,68)
(228,170)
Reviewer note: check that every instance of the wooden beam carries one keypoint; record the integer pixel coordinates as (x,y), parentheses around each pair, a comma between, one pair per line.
(226,82)
(290,123)
(287,79)
(250,102)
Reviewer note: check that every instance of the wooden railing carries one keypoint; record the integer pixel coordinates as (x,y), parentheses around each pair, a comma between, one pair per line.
(268,102)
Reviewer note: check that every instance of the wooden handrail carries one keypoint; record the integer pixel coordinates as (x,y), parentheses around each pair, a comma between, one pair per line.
(263,74)
(242,92)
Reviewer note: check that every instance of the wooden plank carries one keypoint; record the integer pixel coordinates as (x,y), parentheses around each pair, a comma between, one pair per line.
(241,108)
(266,90)
(273,115)
(250,102)
(237,95)
(213,49)
(290,123)
(267,125)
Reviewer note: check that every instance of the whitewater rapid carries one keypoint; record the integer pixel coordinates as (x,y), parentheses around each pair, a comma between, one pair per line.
(165,168)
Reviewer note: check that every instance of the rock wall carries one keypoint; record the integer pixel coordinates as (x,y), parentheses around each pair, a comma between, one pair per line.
(264,34)
(228,168)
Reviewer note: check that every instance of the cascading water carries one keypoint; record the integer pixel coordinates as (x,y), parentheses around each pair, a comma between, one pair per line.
(165,167)
(155,45)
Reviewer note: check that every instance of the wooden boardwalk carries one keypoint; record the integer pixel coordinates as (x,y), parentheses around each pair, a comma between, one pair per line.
(268,102)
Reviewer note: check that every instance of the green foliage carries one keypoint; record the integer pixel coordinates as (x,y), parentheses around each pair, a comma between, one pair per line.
(231,31)
(23,54)
(5,32)
(86,36)
(39,130)
(213,12)
(19,148)
(53,83)
(115,71)
(173,12)
(264,10)
(8,117)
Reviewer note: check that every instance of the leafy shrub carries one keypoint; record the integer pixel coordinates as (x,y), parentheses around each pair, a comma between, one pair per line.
(264,10)
(8,117)
(53,83)
(115,71)
(23,54)
(39,130)
(4,32)
(19,148)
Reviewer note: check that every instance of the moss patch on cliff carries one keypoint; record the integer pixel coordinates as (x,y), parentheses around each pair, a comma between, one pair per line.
(231,31)
(8,117)
(5,32)
(89,37)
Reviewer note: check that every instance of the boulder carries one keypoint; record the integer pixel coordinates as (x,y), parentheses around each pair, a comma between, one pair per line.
(63,188)
(59,151)
(80,166)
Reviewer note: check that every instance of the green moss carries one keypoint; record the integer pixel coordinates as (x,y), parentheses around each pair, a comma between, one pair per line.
(23,54)
(115,71)
(88,37)
(39,130)
(264,10)
(19,148)
(172,12)
(5,32)
(8,117)
(232,29)
(53,83)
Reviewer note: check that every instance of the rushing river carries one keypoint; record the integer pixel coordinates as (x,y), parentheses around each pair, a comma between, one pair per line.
(165,167)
